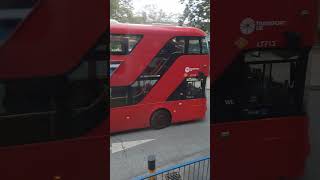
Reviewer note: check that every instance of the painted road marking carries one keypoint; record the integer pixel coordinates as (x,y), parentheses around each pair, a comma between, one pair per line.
(121,146)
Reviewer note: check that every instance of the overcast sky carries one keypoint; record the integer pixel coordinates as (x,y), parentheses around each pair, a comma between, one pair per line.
(168,6)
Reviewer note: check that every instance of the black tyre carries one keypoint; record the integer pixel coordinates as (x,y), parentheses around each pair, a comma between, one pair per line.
(160,119)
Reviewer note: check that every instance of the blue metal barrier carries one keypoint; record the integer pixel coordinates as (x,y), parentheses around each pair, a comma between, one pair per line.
(198,169)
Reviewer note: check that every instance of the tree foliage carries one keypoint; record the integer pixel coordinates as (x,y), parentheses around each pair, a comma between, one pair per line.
(121,10)
(196,14)
(151,14)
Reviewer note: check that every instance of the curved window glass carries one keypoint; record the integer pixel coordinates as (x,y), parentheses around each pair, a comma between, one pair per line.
(52,108)
(123,44)
(261,84)
(13,12)
(190,88)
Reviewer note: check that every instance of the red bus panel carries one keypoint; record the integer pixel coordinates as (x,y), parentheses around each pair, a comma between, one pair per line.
(44,58)
(270,146)
(44,43)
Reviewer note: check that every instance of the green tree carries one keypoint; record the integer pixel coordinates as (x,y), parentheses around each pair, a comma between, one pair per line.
(151,14)
(196,14)
(121,10)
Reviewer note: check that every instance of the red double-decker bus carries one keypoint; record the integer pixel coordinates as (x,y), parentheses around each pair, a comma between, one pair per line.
(259,124)
(158,75)
(53,61)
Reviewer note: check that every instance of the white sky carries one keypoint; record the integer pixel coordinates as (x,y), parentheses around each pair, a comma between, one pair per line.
(168,6)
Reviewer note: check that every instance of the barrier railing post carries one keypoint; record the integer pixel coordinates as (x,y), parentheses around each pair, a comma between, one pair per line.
(175,172)
(152,165)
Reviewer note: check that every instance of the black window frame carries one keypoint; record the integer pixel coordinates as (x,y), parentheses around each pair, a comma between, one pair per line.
(180,93)
(57,88)
(230,109)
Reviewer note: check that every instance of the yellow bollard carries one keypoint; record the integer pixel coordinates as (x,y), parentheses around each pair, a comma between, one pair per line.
(152,165)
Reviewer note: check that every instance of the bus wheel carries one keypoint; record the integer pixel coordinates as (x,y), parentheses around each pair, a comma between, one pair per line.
(160,119)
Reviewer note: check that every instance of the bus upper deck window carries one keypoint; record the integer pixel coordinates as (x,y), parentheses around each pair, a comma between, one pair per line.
(180,43)
(205,49)
(174,46)
(194,46)
(123,44)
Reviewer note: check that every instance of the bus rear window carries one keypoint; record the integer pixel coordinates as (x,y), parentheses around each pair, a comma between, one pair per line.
(123,44)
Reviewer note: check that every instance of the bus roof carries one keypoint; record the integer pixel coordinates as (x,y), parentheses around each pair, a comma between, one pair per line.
(123,28)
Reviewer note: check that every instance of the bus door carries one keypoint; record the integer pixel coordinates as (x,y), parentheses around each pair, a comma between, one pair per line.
(260,127)
(190,94)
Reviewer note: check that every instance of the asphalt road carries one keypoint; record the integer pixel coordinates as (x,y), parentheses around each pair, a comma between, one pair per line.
(172,145)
